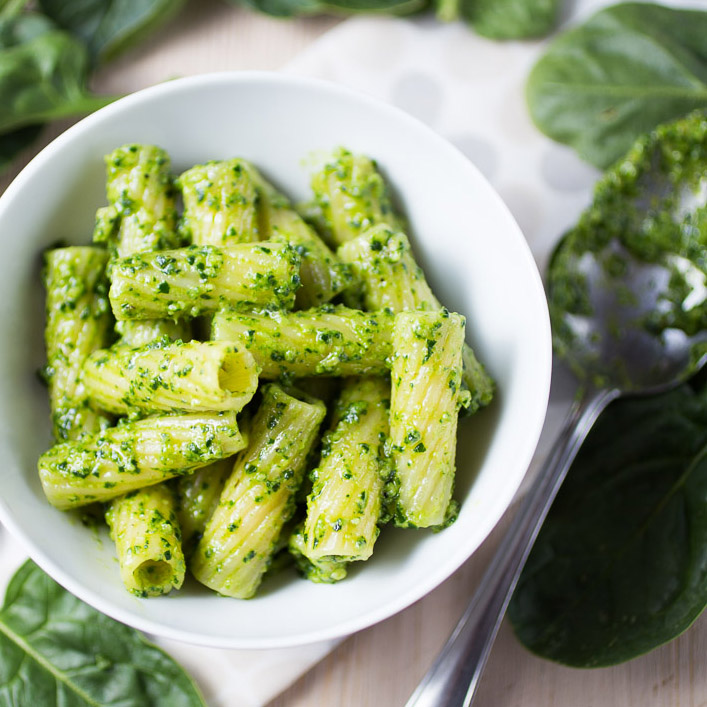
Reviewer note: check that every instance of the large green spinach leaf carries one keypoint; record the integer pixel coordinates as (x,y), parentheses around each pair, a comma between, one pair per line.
(108,27)
(504,19)
(620,565)
(292,8)
(44,78)
(627,69)
(14,30)
(15,141)
(56,650)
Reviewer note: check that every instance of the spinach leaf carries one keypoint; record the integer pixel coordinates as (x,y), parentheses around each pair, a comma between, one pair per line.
(107,27)
(506,19)
(627,69)
(14,30)
(18,29)
(620,565)
(393,7)
(56,650)
(15,141)
(291,8)
(282,8)
(44,78)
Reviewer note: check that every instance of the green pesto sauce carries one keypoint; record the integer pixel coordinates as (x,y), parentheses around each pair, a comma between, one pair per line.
(354,181)
(649,209)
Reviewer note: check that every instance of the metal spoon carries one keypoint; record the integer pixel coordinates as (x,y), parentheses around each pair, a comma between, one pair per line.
(617,347)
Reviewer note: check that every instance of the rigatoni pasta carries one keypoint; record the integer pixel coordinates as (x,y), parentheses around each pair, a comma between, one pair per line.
(136,333)
(78,323)
(187,282)
(326,570)
(147,536)
(226,334)
(322,274)
(198,376)
(258,499)
(135,454)
(389,276)
(344,505)
(352,195)
(326,341)
(382,261)
(142,213)
(220,203)
(424,404)
(198,496)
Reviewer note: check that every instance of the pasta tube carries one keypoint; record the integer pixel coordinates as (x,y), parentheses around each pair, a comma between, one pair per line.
(198,279)
(425,399)
(143,524)
(134,455)
(171,377)
(329,341)
(385,267)
(323,275)
(259,497)
(389,276)
(78,322)
(345,503)
(139,175)
(141,215)
(220,203)
(326,570)
(138,333)
(198,496)
(352,195)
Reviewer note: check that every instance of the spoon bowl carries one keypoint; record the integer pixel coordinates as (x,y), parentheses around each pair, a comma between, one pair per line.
(618,340)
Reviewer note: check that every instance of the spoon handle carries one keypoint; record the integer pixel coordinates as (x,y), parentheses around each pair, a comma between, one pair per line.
(454,676)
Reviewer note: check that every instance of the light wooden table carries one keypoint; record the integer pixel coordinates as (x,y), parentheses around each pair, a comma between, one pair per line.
(380,667)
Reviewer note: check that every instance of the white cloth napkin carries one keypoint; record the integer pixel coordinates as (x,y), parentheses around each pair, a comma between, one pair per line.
(470,90)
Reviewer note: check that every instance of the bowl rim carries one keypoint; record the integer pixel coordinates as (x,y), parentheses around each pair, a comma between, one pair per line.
(524,454)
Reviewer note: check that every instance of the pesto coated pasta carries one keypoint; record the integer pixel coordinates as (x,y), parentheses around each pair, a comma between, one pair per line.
(198,496)
(388,276)
(187,282)
(135,454)
(144,527)
(258,499)
(326,341)
(142,217)
(78,323)
(424,405)
(344,505)
(142,213)
(351,195)
(193,358)
(322,274)
(171,377)
(220,203)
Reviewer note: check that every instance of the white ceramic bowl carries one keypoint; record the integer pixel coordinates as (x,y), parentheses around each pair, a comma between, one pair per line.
(468,243)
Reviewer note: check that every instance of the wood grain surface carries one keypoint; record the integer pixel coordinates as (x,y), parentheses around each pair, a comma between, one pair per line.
(381,666)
